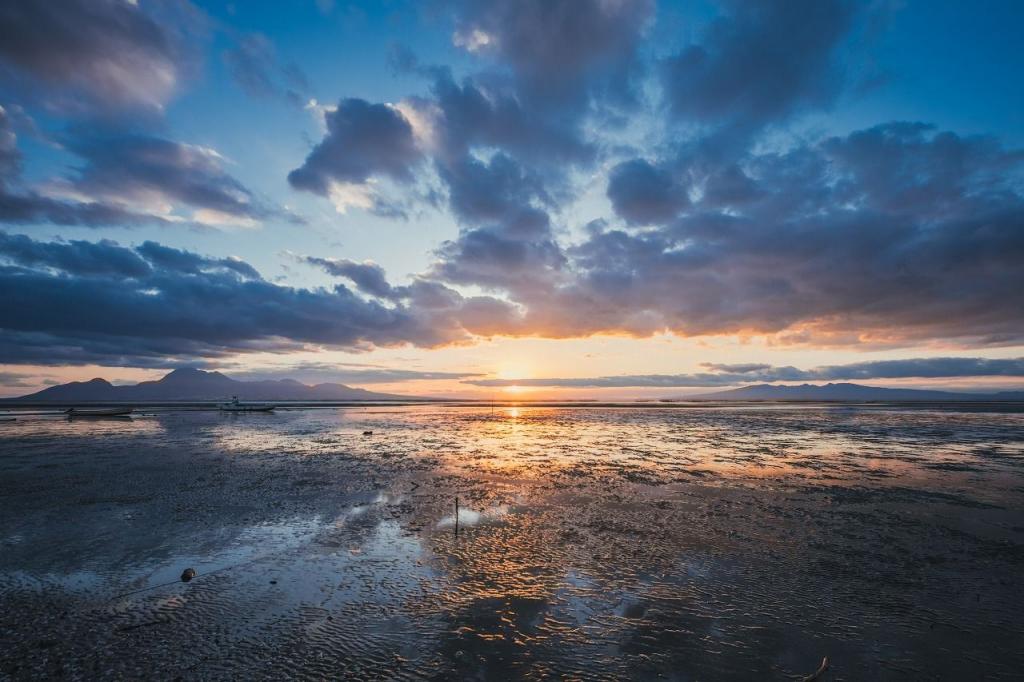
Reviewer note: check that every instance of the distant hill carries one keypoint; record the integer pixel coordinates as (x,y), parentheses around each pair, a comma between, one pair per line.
(196,384)
(852,392)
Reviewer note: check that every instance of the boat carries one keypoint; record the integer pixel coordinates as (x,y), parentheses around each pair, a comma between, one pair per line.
(236,406)
(99,412)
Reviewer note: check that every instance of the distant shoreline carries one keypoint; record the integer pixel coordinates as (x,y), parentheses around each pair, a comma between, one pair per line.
(212,405)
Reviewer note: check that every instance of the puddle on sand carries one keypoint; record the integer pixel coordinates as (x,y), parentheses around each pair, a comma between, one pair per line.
(713,543)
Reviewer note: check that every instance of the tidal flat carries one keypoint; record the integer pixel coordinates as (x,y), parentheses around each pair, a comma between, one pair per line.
(714,543)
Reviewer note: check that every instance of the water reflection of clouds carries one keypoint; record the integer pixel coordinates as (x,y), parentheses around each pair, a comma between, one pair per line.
(472,517)
(647,533)
(61,427)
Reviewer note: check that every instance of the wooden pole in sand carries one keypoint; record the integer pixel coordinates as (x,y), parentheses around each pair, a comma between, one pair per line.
(456,516)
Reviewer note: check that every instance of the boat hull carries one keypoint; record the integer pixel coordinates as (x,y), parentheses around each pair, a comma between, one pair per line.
(247,408)
(109,412)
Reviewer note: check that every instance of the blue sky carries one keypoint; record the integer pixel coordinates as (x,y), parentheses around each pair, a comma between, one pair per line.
(511,190)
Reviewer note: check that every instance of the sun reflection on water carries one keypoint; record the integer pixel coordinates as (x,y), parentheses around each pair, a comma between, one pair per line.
(581,532)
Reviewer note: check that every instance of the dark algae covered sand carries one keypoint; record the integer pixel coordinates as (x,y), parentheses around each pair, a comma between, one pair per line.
(720,543)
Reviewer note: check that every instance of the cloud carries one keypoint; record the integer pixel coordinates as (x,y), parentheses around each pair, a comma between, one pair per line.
(364,141)
(324,372)
(491,191)
(368,277)
(254,64)
(156,175)
(96,56)
(489,113)
(508,242)
(82,303)
(28,206)
(16,380)
(925,368)
(10,157)
(517,254)
(888,236)
(642,194)
(523,107)
(825,247)
(187,262)
(728,375)
(104,258)
(560,51)
(741,368)
(759,63)
(129,180)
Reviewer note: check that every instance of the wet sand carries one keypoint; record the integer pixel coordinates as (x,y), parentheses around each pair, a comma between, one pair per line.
(594,543)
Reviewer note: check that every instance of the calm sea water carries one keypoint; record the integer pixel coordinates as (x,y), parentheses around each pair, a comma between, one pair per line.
(592,543)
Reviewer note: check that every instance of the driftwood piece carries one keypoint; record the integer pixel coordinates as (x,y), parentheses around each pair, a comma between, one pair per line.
(821,671)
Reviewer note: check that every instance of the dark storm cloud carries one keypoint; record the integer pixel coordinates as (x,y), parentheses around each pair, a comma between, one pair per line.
(642,194)
(758,63)
(363,140)
(727,375)
(96,55)
(80,302)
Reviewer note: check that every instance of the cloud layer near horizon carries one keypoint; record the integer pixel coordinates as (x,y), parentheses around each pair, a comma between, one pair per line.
(730,375)
(81,302)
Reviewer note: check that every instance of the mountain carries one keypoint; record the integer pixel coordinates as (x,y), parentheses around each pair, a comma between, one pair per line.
(196,384)
(851,392)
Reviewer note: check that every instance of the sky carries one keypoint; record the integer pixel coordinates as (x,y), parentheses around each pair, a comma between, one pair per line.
(539,198)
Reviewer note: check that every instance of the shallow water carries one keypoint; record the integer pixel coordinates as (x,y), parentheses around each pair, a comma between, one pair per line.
(593,543)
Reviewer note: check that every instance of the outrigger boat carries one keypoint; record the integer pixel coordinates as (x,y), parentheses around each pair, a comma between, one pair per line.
(235,406)
(99,412)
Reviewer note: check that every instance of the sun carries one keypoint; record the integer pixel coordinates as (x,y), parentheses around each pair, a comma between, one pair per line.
(515,389)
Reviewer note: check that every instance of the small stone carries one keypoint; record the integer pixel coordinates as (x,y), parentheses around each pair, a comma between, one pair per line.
(188,574)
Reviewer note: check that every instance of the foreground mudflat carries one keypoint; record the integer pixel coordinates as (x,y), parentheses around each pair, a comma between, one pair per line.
(713,543)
